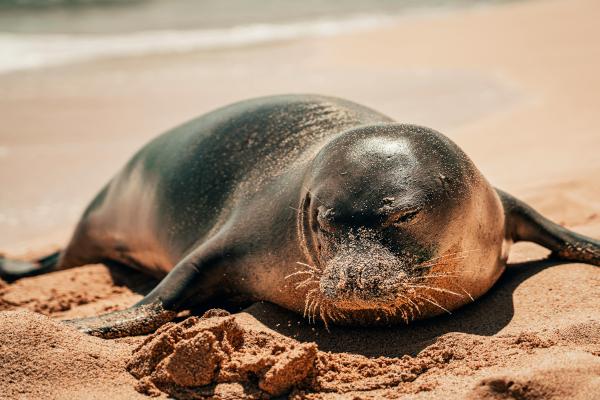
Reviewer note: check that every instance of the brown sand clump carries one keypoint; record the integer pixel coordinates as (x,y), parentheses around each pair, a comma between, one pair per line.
(182,359)
(42,358)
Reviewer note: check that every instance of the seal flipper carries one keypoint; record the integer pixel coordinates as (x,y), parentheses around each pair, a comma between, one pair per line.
(523,223)
(136,320)
(11,269)
(192,281)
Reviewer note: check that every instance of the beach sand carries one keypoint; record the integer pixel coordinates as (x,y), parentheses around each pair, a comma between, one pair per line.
(516,86)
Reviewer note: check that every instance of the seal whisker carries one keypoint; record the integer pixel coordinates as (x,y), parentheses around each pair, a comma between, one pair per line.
(403,309)
(411,302)
(316,304)
(327,310)
(445,257)
(323,317)
(404,316)
(438,289)
(307,301)
(313,296)
(439,275)
(308,313)
(338,313)
(387,314)
(305,306)
(437,262)
(305,283)
(412,311)
(422,279)
(468,294)
(459,253)
(429,300)
(312,267)
(310,306)
(297,273)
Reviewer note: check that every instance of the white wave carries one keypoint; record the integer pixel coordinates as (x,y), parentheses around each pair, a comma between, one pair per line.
(24,51)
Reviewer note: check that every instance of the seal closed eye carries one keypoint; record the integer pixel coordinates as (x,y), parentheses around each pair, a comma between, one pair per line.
(317,204)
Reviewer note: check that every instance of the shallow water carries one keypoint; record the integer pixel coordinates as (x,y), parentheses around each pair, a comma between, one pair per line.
(110,16)
(35,33)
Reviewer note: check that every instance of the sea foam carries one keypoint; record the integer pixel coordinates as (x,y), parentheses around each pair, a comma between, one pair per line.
(25,51)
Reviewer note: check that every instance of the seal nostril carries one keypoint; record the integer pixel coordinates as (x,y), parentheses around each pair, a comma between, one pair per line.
(406,217)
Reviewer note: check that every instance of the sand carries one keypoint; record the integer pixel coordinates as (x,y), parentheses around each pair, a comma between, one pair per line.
(266,351)
(516,86)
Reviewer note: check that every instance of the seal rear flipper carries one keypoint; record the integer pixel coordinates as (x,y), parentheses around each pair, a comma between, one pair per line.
(523,223)
(12,269)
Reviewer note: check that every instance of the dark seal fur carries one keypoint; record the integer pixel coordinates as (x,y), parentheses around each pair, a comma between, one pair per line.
(314,203)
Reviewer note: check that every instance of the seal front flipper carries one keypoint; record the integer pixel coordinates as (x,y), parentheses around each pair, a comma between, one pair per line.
(523,223)
(136,320)
(192,281)
(11,269)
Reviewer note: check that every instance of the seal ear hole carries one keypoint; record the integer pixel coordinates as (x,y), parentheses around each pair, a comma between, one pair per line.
(405,217)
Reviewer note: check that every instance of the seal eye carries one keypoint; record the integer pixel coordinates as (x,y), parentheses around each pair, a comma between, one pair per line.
(404,217)
(324,218)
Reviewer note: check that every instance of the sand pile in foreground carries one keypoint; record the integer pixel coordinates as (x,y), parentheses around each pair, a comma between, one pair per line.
(220,349)
(236,356)
(42,358)
(232,356)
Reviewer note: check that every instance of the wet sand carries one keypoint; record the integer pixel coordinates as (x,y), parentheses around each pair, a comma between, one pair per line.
(516,86)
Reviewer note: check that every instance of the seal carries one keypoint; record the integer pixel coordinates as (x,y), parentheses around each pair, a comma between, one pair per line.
(317,204)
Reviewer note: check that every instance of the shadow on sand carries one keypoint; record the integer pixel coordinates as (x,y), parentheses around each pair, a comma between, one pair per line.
(488,315)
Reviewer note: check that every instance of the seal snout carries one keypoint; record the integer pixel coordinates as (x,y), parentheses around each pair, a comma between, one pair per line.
(363,272)
(365,284)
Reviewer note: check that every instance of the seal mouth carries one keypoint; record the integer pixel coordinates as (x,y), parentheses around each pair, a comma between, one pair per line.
(363,275)
(365,272)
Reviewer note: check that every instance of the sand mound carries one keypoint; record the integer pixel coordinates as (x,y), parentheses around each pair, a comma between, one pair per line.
(453,353)
(195,358)
(240,356)
(578,377)
(42,358)
(62,293)
(219,349)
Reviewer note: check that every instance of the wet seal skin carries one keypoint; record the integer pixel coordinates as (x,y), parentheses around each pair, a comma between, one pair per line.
(317,204)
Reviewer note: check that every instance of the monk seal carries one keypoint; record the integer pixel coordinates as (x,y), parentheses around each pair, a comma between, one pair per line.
(317,204)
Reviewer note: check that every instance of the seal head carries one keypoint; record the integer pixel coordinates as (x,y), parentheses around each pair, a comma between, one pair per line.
(383,219)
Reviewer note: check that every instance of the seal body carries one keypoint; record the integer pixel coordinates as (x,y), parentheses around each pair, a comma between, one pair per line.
(317,204)
(255,176)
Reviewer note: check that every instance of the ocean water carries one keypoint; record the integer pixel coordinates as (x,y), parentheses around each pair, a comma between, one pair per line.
(38,33)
